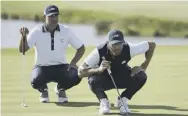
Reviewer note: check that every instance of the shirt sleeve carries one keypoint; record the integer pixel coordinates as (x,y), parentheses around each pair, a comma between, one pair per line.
(31,38)
(92,60)
(137,49)
(74,41)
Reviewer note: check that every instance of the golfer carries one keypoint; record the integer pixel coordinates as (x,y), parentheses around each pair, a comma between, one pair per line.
(115,54)
(51,41)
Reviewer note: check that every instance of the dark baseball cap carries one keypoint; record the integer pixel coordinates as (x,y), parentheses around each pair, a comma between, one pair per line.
(51,10)
(115,36)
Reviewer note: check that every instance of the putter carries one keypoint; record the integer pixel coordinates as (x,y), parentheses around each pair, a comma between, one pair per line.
(23,104)
(110,73)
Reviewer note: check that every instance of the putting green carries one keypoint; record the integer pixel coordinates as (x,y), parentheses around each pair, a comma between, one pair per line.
(165,93)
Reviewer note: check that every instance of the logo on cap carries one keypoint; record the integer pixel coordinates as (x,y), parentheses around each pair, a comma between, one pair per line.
(52,9)
(116,35)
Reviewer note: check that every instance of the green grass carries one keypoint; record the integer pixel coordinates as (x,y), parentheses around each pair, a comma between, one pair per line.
(161,9)
(169,10)
(165,93)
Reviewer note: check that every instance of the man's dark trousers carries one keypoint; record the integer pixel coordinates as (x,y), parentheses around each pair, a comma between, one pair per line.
(41,75)
(101,83)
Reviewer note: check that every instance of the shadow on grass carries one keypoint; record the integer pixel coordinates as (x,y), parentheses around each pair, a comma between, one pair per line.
(157,107)
(154,107)
(143,114)
(77,104)
(87,104)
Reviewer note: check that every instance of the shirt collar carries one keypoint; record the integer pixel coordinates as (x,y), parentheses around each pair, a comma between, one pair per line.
(45,29)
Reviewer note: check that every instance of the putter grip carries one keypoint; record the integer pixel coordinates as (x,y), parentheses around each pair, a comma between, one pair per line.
(109,71)
(23,45)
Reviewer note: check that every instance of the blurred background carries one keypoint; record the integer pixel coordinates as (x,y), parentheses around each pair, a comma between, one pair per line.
(160,21)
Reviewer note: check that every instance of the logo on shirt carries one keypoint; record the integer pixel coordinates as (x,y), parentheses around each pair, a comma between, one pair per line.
(62,40)
(123,62)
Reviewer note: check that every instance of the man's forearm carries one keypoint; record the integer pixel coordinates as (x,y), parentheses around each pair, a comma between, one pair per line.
(23,44)
(79,53)
(148,55)
(88,72)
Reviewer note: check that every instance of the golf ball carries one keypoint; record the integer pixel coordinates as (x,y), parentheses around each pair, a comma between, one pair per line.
(23,105)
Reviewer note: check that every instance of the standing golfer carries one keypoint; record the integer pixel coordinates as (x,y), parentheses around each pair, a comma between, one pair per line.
(115,54)
(51,41)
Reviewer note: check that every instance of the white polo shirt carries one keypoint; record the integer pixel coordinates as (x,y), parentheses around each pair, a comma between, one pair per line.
(135,49)
(47,54)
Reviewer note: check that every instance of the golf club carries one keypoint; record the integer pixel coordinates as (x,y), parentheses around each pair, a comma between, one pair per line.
(110,73)
(23,104)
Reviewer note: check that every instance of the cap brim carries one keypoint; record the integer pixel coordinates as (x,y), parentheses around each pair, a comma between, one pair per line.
(115,41)
(54,13)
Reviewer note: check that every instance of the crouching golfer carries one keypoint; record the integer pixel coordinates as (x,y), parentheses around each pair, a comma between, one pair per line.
(51,41)
(115,54)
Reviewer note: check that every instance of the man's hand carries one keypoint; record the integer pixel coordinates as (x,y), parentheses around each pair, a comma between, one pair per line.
(24,31)
(72,66)
(135,70)
(86,71)
(104,65)
(23,47)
